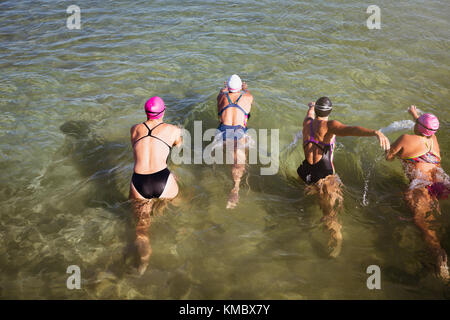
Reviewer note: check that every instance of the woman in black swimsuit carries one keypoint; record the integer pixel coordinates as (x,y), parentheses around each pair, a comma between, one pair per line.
(317,170)
(152,142)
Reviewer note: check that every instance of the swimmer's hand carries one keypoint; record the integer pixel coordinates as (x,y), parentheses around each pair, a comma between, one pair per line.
(413,111)
(225,88)
(310,114)
(383,140)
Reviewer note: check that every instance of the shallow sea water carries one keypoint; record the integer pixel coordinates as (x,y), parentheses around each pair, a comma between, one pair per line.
(69,97)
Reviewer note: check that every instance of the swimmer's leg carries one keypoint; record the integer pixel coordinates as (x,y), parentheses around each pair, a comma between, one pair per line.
(329,191)
(237,171)
(421,203)
(142,209)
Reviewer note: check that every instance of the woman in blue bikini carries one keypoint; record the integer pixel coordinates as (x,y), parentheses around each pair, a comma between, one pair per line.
(233,109)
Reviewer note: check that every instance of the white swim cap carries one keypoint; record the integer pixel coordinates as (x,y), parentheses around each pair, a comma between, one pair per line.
(234,83)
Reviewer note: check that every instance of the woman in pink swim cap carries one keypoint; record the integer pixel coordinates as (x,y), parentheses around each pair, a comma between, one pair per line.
(154,108)
(427,124)
(152,142)
(421,159)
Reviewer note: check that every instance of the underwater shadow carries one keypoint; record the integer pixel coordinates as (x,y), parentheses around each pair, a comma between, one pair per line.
(96,160)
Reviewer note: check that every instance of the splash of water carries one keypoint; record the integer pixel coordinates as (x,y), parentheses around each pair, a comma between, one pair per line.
(421,180)
(298,136)
(393,127)
(398,126)
(365,201)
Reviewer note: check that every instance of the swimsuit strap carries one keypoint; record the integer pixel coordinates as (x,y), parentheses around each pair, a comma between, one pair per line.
(311,139)
(240,108)
(150,130)
(239,98)
(229,99)
(431,151)
(234,105)
(152,136)
(426,157)
(431,147)
(311,129)
(170,148)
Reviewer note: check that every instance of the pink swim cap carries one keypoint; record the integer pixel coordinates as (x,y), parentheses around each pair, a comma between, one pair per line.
(154,108)
(427,124)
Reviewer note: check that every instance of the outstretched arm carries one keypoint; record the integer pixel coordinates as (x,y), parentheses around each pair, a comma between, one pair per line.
(310,114)
(342,130)
(413,111)
(396,148)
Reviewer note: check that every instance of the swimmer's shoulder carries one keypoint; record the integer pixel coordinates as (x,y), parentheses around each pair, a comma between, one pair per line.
(174,133)
(247,95)
(405,138)
(247,101)
(170,126)
(404,143)
(136,132)
(134,128)
(173,130)
(331,124)
(222,98)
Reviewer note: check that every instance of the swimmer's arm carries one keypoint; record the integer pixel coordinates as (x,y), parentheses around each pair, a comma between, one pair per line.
(413,111)
(250,96)
(222,91)
(219,96)
(179,140)
(396,148)
(245,87)
(339,129)
(132,131)
(310,114)
(218,107)
(247,93)
(218,104)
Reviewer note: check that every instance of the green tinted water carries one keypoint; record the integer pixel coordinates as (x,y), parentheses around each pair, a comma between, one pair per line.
(69,97)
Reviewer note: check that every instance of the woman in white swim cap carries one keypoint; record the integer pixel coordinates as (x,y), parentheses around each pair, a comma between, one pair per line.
(233,126)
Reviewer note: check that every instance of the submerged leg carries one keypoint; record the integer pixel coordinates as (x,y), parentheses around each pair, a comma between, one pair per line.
(142,209)
(237,171)
(421,204)
(329,191)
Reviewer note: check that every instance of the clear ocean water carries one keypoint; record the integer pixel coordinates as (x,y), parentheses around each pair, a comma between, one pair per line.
(69,97)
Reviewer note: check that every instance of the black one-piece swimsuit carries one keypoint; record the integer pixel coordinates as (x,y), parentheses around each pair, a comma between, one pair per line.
(311,173)
(151,185)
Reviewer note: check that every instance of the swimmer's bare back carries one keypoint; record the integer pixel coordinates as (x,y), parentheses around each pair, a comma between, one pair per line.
(150,153)
(234,116)
(408,146)
(325,130)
